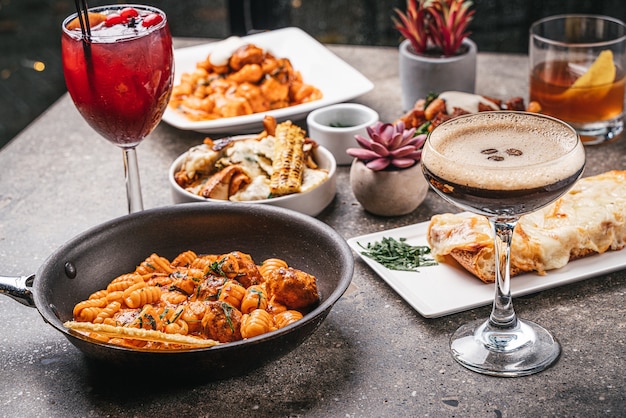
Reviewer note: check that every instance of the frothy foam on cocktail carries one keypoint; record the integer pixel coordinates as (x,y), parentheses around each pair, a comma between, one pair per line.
(504,151)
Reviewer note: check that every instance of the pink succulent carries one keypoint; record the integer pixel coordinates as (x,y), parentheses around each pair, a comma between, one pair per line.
(388,146)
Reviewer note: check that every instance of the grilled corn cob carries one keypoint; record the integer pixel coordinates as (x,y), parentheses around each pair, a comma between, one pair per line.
(288,160)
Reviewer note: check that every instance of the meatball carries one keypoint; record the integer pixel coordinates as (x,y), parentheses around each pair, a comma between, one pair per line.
(209,288)
(240,266)
(293,288)
(221,322)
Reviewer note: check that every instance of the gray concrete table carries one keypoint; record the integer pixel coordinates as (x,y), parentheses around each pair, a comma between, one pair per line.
(374,356)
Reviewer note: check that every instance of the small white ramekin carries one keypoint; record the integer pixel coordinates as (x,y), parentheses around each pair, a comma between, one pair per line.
(334,127)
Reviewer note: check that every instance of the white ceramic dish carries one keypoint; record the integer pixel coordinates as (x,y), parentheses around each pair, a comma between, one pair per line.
(310,203)
(335,126)
(448,288)
(337,80)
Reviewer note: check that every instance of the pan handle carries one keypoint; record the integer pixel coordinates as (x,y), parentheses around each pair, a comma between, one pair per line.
(18,288)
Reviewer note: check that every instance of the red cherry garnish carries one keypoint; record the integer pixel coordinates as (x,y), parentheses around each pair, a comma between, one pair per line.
(129,12)
(152,19)
(114,19)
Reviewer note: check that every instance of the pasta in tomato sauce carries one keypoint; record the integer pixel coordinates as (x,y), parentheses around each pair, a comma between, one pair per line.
(195,301)
(251,81)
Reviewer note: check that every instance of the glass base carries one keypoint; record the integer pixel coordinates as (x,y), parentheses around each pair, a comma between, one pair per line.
(599,132)
(524,349)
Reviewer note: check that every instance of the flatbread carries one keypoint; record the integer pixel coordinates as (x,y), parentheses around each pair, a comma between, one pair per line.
(589,219)
(139,334)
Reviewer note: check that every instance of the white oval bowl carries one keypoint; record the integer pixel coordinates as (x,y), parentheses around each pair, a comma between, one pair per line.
(310,203)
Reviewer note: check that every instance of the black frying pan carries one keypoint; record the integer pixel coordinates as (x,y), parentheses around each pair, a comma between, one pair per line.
(91,260)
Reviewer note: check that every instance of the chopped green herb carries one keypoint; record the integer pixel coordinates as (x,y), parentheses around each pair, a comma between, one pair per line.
(429,98)
(216,267)
(398,255)
(340,125)
(228,312)
(423,128)
(179,311)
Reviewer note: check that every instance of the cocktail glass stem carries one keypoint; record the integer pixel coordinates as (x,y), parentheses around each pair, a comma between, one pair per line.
(133,183)
(502,314)
(504,345)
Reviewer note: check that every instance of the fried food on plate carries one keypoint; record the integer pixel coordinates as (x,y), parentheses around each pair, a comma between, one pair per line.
(589,219)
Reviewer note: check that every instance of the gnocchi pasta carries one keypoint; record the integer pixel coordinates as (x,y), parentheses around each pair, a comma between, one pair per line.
(195,300)
(251,81)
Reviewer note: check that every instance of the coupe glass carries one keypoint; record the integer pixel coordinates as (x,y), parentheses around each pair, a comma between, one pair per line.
(503,165)
(120,77)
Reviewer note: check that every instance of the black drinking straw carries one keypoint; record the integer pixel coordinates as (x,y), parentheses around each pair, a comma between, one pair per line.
(82,10)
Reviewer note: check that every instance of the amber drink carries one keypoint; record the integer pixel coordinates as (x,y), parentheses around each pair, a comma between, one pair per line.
(577,73)
(503,165)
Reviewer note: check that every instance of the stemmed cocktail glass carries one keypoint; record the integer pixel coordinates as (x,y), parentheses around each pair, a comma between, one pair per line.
(118,67)
(503,165)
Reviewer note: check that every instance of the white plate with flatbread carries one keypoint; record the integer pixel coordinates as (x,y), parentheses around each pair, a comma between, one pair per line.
(445,289)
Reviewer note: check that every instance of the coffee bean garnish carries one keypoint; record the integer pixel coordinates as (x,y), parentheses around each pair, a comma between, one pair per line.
(493,153)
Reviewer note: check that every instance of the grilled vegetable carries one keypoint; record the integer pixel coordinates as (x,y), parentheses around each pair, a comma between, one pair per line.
(288,162)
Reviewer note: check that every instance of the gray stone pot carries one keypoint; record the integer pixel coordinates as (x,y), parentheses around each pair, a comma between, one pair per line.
(421,75)
(388,193)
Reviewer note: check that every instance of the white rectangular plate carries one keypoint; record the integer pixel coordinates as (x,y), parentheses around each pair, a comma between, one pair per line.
(445,289)
(337,80)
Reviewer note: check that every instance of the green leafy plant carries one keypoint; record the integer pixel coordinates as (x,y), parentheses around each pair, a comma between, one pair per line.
(435,26)
(389,147)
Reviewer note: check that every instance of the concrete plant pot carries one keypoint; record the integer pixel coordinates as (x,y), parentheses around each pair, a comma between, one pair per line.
(422,74)
(388,193)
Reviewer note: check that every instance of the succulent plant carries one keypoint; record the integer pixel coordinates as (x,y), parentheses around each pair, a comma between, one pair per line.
(413,24)
(388,147)
(435,24)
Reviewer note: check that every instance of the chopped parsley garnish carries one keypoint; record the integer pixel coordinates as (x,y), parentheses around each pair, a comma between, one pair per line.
(398,255)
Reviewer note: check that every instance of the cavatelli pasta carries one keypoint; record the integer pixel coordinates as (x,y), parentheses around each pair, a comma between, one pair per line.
(194,301)
(107,312)
(114,296)
(142,296)
(131,289)
(232,293)
(158,279)
(193,314)
(256,323)
(271,264)
(184,259)
(148,318)
(254,298)
(204,263)
(170,315)
(124,281)
(173,297)
(88,314)
(89,303)
(178,327)
(285,318)
(99,294)
(154,264)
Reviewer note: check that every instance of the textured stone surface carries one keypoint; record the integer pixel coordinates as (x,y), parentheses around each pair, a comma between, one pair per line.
(374,356)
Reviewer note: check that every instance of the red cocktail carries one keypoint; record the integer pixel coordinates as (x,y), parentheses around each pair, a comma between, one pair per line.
(120,76)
